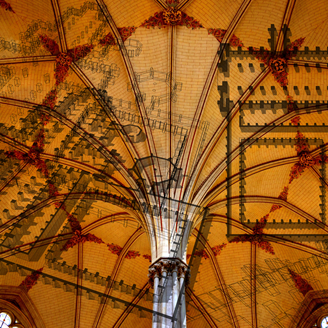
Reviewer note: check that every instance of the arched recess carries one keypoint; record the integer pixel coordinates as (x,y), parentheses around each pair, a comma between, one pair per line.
(313,308)
(15,300)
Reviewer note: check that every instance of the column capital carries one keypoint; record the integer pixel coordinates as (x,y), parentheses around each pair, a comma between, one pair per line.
(166,266)
(184,273)
(152,274)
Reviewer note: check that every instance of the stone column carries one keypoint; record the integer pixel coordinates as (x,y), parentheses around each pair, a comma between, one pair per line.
(153,276)
(183,276)
(163,297)
(168,276)
(176,286)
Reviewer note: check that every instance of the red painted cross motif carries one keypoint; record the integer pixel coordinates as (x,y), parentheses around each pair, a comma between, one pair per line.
(278,62)
(306,160)
(33,156)
(80,238)
(64,60)
(256,238)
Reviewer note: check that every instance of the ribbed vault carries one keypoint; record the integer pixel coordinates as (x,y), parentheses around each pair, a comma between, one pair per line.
(127,124)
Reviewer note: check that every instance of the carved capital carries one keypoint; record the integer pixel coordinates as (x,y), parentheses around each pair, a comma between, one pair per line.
(184,273)
(152,274)
(164,267)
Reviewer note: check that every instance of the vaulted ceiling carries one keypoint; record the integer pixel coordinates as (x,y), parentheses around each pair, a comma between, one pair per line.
(109,105)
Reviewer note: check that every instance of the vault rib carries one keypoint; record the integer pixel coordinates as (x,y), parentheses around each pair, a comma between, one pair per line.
(219,277)
(60,25)
(201,308)
(118,264)
(285,22)
(140,103)
(132,305)
(203,98)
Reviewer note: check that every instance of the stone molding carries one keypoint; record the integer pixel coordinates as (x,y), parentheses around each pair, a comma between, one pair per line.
(16,300)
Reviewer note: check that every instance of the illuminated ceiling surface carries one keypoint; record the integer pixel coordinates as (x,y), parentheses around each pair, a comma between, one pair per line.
(127,123)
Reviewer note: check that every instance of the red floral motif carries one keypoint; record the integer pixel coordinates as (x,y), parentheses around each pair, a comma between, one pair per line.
(296,120)
(219,34)
(283,195)
(44,118)
(5,5)
(50,101)
(305,161)
(74,223)
(256,238)
(156,20)
(31,280)
(295,172)
(275,207)
(79,238)
(172,2)
(63,62)
(147,257)
(125,33)
(115,249)
(278,66)
(301,143)
(235,42)
(132,255)
(171,17)
(301,284)
(189,22)
(259,226)
(79,52)
(218,249)
(53,192)
(294,47)
(202,253)
(278,62)
(108,40)
(64,59)
(50,44)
